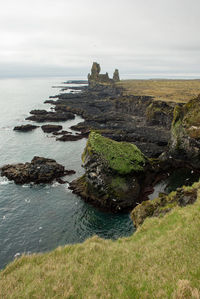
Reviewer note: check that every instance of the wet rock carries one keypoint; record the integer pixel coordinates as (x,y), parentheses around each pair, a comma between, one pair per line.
(40,170)
(51,128)
(25,128)
(38,112)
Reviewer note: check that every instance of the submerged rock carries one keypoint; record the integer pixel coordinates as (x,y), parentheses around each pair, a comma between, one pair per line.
(25,128)
(40,170)
(185,133)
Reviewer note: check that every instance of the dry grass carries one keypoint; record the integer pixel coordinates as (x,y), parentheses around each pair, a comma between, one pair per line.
(164,90)
(161,260)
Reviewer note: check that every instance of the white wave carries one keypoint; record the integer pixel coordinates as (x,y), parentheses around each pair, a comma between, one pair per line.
(5,181)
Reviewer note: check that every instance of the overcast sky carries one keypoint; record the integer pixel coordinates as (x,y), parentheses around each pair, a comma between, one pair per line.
(64,37)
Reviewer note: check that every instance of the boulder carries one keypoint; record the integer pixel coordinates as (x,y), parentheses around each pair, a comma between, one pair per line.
(40,170)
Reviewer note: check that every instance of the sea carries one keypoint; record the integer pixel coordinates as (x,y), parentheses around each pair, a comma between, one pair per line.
(39,218)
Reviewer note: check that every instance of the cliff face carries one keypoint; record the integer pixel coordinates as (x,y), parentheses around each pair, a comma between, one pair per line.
(185,133)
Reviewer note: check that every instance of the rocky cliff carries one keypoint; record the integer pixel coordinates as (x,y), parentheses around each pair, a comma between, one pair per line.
(112,173)
(185,133)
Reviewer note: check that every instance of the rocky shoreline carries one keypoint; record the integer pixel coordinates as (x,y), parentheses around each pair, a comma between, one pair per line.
(39,170)
(164,136)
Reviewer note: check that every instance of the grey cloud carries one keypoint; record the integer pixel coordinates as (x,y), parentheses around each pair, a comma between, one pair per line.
(134,35)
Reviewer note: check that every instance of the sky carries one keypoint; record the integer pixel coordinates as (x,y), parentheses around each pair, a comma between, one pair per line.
(150,38)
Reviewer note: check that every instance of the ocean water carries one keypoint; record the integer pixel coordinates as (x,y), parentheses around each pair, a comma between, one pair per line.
(38,218)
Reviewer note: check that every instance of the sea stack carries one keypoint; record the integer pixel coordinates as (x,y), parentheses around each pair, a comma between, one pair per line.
(95,78)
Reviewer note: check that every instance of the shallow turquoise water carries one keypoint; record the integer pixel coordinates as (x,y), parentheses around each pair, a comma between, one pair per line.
(40,218)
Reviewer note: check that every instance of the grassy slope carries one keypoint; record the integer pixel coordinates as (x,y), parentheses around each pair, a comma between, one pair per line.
(164,90)
(162,254)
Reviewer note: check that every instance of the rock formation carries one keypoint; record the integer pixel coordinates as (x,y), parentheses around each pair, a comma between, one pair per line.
(40,170)
(112,170)
(96,78)
(51,128)
(116,76)
(43,115)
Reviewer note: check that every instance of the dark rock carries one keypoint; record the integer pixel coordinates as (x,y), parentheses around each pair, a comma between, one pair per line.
(25,128)
(70,172)
(38,111)
(51,128)
(51,116)
(40,170)
(73,137)
(63,132)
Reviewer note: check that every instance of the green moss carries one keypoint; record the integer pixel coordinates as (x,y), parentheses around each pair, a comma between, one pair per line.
(121,157)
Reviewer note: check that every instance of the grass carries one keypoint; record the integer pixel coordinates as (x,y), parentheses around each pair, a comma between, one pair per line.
(160,260)
(165,90)
(122,157)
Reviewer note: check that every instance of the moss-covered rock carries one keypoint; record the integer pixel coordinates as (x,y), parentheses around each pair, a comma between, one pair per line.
(113,171)
(185,133)
(120,157)
(164,203)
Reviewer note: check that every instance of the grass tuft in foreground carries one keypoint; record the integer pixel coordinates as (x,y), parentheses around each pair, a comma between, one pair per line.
(161,260)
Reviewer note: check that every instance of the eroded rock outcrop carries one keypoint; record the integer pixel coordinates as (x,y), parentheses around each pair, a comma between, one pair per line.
(116,173)
(39,170)
(185,133)
(95,78)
